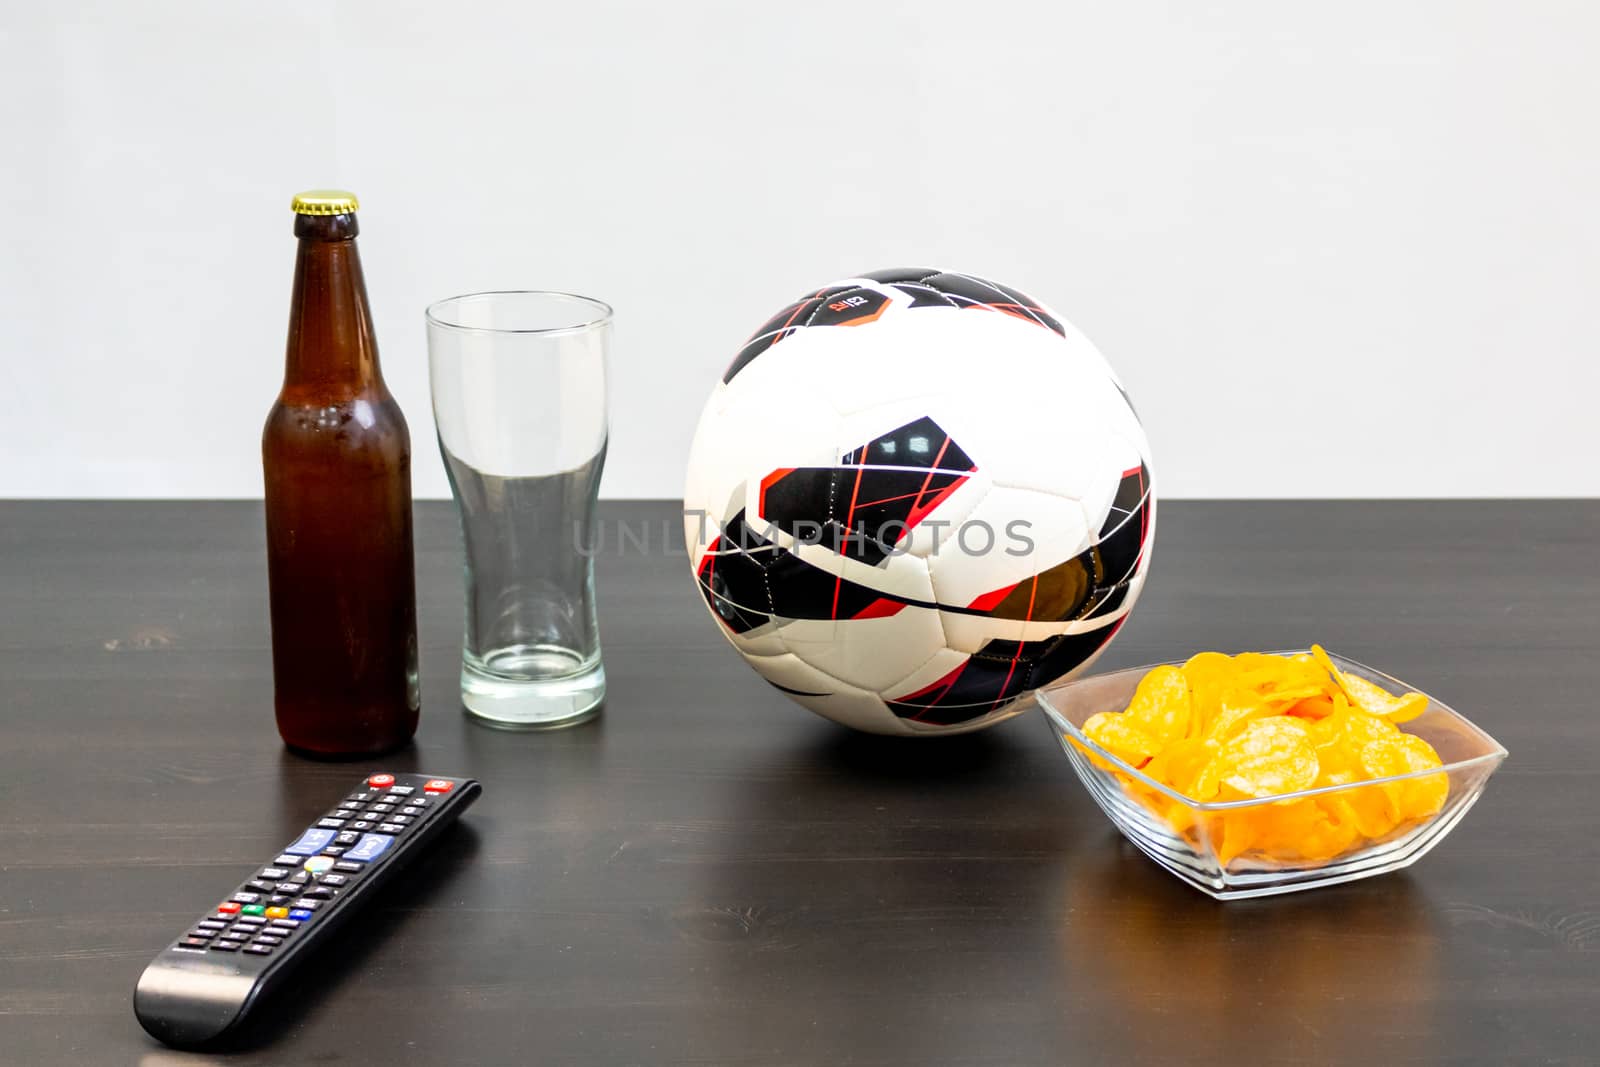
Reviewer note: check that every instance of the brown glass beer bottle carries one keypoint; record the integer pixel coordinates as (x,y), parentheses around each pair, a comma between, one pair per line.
(337,455)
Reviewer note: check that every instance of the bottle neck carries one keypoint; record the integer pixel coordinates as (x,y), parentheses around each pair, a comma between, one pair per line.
(331,345)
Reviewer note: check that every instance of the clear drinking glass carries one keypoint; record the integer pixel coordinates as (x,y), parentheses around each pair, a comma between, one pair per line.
(519,395)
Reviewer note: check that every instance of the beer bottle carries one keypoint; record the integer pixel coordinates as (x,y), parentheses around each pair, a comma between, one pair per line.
(337,456)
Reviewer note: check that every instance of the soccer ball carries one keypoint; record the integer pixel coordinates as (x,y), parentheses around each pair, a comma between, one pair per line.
(915,497)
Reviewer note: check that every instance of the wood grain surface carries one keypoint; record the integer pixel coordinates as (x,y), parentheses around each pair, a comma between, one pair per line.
(708,874)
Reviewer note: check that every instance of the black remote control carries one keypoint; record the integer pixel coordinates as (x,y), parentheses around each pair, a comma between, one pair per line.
(204,984)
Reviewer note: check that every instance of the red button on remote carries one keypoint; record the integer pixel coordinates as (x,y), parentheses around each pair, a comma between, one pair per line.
(229,907)
(380,780)
(437,785)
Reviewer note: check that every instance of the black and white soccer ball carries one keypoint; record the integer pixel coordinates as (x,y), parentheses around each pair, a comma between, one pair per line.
(915,497)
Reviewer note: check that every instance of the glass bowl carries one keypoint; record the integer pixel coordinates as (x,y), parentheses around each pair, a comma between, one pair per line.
(1190,838)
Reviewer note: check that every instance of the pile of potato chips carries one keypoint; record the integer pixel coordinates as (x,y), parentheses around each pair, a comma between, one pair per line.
(1226,728)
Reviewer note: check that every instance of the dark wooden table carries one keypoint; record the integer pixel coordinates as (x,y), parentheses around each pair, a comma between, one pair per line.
(710,875)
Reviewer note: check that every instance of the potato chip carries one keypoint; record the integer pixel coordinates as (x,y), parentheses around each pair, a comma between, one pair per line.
(1357,728)
(1338,764)
(1210,676)
(1288,828)
(1269,757)
(1121,738)
(1268,673)
(1324,731)
(1414,798)
(1237,708)
(1312,707)
(1370,697)
(1185,759)
(1283,699)
(1369,810)
(1328,837)
(1156,766)
(1208,783)
(1232,835)
(1160,706)
(1181,817)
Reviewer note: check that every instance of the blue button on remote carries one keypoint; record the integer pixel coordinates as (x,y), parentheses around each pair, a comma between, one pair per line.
(300,913)
(370,847)
(311,842)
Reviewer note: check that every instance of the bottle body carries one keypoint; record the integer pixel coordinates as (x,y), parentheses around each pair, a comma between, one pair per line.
(336,454)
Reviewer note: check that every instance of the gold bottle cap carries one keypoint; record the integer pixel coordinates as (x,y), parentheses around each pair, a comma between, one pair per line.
(325,202)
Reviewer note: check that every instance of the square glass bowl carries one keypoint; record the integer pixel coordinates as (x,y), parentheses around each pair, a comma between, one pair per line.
(1189,838)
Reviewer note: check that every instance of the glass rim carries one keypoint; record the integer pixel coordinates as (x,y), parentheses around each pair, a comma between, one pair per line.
(603,312)
(1495,754)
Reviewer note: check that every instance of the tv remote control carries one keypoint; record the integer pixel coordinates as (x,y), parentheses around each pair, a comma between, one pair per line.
(205,983)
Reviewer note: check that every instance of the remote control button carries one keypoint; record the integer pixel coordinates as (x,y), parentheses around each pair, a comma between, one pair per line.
(437,785)
(349,837)
(379,781)
(333,850)
(302,914)
(346,814)
(288,926)
(316,865)
(250,918)
(277,900)
(319,894)
(287,860)
(390,828)
(258,886)
(306,904)
(193,942)
(383,808)
(402,791)
(245,898)
(225,946)
(228,908)
(277,913)
(358,798)
(400,820)
(214,924)
(202,933)
(348,868)
(334,880)
(259,950)
(254,909)
(411,811)
(286,887)
(302,876)
(362,825)
(273,874)
(264,939)
(330,824)
(420,802)
(370,847)
(310,843)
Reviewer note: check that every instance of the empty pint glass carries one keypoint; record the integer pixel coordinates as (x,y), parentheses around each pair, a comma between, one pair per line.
(519,395)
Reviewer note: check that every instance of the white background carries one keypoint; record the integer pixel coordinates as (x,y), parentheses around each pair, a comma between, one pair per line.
(1343,249)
